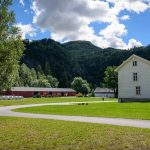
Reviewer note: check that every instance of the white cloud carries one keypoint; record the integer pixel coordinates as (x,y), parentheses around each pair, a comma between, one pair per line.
(69,20)
(133,43)
(21,2)
(26,29)
(130,5)
(125,17)
(112,35)
(26,11)
(114,29)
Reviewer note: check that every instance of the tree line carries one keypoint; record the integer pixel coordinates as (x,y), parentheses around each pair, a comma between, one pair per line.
(31,78)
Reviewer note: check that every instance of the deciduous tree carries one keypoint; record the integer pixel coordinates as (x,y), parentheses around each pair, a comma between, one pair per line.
(11,46)
(111,79)
(80,85)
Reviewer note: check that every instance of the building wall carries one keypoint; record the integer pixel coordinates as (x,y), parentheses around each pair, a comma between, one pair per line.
(126,85)
(23,93)
(43,93)
(71,94)
(104,95)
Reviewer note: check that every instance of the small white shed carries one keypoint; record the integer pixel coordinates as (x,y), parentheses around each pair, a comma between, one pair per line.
(103,92)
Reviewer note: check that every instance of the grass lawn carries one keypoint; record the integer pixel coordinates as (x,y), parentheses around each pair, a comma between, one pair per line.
(48,100)
(116,110)
(39,134)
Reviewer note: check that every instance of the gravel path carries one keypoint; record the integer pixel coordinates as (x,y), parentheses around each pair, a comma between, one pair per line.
(6,111)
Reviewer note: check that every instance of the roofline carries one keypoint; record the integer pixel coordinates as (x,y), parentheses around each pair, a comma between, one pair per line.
(108,90)
(105,92)
(132,56)
(42,89)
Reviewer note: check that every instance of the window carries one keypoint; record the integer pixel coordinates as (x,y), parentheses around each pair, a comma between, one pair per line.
(134,63)
(135,76)
(138,90)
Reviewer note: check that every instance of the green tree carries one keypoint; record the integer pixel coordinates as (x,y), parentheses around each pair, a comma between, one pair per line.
(111,79)
(47,69)
(33,77)
(80,85)
(40,73)
(11,46)
(18,81)
(53,81)
(33,74)
(43,83)
(29,77)
(92,93)
(25,75)
(85,89)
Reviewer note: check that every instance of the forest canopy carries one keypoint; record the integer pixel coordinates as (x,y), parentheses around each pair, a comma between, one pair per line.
(75,59)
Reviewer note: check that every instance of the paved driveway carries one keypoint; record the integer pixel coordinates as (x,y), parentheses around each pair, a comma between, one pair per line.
(7,111)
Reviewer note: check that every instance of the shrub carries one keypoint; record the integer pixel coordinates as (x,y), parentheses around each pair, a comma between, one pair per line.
(79,95)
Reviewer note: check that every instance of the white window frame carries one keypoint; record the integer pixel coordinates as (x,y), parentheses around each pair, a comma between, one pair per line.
(134,63)
(138,90)
(135,76)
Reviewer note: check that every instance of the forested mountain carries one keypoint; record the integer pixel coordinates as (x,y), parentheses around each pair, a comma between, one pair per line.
(50,57)
(76,58)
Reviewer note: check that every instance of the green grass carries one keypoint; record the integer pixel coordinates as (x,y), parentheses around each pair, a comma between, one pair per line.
(115,110)
(47,100)
(40,134)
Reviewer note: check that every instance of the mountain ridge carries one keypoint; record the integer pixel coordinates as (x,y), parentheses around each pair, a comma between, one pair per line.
(76,58)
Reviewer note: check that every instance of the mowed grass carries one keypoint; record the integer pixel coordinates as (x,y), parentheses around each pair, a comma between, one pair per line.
(39,134)
(49,100)
(112,109)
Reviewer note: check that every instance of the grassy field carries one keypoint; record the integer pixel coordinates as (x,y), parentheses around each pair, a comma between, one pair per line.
(34,134)
(116,110)
(48,100)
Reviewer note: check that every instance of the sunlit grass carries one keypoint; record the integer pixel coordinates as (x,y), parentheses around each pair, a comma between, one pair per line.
(116,110)
(34,134)
(49,100)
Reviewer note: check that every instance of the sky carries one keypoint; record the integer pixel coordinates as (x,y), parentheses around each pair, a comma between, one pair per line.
(121,24)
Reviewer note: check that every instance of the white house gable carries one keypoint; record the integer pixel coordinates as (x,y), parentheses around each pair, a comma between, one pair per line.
(134,78)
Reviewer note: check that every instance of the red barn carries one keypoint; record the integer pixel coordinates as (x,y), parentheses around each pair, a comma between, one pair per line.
(38,92)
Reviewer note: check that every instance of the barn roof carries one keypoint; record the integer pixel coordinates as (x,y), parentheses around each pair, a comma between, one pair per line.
(132,57)
(103,90)
(39,89)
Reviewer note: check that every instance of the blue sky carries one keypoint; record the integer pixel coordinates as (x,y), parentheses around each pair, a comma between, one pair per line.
(138,27)
(108,23)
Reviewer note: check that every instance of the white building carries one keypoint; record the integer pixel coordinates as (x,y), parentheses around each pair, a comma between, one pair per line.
(103,92)
(134,79)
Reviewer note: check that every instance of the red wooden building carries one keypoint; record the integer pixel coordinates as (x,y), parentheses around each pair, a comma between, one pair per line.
(38,92)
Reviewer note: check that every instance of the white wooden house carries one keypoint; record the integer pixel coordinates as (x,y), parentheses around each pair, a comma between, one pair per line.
(134,79)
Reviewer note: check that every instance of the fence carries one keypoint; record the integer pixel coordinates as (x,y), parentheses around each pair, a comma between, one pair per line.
(11,97)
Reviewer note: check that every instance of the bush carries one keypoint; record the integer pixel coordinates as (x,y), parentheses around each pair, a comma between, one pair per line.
(92,94)
(79,95)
